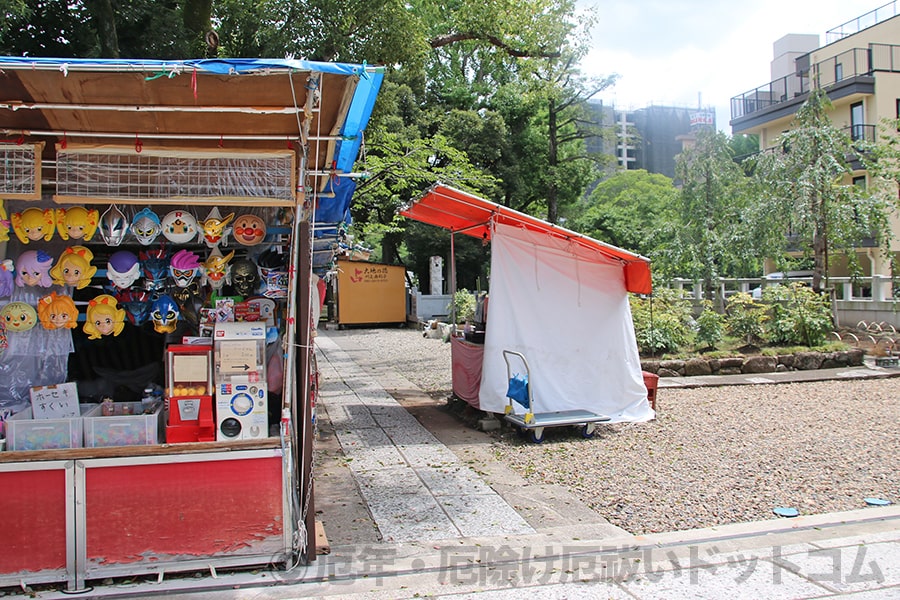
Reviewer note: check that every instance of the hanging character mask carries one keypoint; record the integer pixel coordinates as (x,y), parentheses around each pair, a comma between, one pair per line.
(185,266)
(215,228)
(7,279)
(165,314)
(244,277)
(104,317)
(4,223)
(123,269)
(146,227)
(57,311)
(155,268)
(33,224)
(76,223)
(74,267)
(179,227)
(249,230)
(216,269)
(18,317)
(113,226)
(136,304)
(34,269)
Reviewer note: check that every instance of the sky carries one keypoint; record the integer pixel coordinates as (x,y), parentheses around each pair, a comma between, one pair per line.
(690,52)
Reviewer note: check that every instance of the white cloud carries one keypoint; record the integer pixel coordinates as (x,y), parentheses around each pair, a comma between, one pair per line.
(681,52)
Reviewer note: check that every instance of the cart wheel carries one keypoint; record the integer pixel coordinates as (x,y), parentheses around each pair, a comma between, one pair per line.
(536,435)
(587,431)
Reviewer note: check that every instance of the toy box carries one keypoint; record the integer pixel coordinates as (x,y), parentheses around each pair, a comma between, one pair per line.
(23,432)
(127,426)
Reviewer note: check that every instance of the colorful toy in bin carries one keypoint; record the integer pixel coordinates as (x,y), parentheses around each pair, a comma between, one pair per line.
(77,222)
(74,267)
(33,224)
(57,311)
(18,317)
(104,317)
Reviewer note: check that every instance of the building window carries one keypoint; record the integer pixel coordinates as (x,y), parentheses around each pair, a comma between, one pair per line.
(838,71)
(857,122)
(860,181)
(898,113)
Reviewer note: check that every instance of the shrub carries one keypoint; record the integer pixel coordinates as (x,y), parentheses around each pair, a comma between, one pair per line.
(798,315)
(710,327)
(660,323)
(745,317)
(464,301)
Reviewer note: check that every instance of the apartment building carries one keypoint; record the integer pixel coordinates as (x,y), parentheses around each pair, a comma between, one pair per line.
(859,68)
(648,138)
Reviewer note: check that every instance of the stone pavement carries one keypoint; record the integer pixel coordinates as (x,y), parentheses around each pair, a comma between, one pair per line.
(435,517)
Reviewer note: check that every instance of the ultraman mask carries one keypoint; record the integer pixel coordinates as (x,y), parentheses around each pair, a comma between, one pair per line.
(146,227)
(113,226)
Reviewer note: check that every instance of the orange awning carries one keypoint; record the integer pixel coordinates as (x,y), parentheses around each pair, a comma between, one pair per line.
(461,212)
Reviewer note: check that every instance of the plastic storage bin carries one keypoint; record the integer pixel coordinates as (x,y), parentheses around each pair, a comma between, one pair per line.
(26,433)
(128,426)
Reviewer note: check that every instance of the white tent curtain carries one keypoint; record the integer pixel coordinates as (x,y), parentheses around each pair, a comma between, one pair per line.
(569,315)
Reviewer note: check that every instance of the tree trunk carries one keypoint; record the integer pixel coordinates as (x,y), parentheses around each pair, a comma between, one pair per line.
(105,22)
(553,162)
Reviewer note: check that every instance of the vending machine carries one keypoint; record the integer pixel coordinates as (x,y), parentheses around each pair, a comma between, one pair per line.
(240,378)
(189,389)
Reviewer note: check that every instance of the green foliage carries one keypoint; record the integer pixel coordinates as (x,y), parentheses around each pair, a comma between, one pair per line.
(803,191)
(625,209)
(745,317)
(703,235)
(710,327)
(660,321)
(798,315)
(464,302)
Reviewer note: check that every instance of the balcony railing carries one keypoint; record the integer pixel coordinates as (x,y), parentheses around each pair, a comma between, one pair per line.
(861,133)
(873,17)
(829,72)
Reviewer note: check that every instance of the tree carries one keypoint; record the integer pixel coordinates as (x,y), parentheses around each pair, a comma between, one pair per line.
(704,231)
(804,192)
(625,209)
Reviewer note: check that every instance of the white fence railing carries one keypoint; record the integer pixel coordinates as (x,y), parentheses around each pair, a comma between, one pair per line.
(856,299)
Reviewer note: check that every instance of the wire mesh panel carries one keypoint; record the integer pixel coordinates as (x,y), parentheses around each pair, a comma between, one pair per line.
(21,165)
(126,175)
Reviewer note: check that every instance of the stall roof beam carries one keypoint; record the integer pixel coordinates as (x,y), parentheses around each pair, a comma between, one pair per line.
(462,212)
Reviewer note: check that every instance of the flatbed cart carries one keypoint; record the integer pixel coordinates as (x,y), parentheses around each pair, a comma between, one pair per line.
(532,424)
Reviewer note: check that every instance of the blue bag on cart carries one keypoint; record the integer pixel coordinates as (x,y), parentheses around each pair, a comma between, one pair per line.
(518,389)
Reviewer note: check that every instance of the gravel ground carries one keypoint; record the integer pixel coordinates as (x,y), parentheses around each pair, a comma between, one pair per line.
(714,455)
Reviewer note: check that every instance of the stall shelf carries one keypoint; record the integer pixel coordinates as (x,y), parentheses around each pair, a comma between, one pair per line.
(82,514)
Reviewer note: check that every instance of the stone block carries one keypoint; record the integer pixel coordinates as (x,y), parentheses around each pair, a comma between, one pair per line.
(759,364)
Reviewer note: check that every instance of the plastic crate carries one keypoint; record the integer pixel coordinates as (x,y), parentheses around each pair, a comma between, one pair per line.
(26,433)
(120,429)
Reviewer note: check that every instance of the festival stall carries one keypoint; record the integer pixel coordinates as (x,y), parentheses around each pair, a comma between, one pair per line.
(156,229)
(558,298)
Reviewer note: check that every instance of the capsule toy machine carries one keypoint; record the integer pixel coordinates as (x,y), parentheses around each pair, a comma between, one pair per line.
(240,378)
(189,394)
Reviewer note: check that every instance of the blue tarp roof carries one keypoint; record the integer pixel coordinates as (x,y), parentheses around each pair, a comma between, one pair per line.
(333,206)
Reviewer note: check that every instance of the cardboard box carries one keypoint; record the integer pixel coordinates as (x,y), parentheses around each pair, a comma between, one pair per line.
(120,429)
(23,432)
